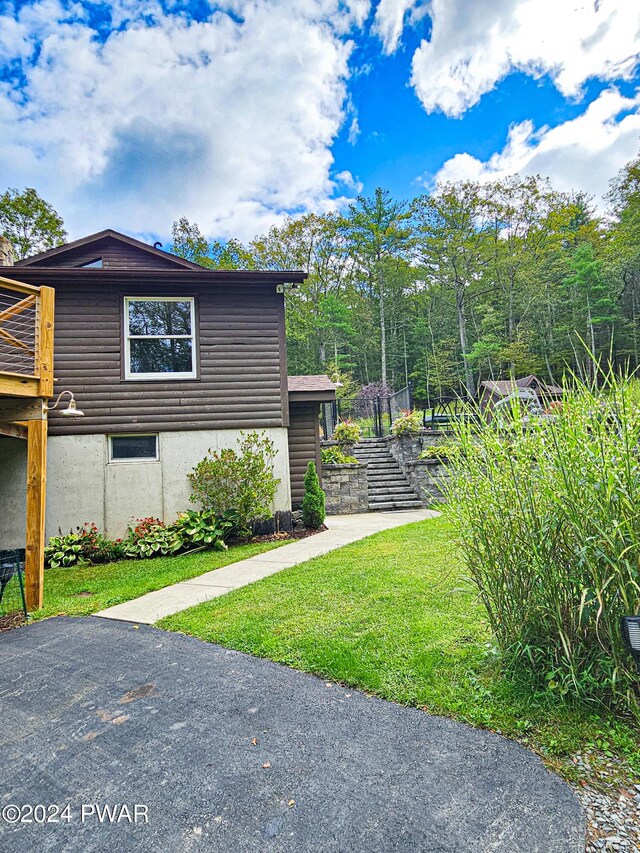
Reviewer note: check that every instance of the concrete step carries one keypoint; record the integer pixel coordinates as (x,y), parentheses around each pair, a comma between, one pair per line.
(380,457)
(388,485)
(383,466)
(386,479)
(395,505)
(396,489)
(392,495)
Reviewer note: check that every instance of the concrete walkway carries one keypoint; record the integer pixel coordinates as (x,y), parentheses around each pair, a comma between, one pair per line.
(342,530)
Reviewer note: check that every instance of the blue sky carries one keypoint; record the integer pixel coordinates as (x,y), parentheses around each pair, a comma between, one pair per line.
(237,114)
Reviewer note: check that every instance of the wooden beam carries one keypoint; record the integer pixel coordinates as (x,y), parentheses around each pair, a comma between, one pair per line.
(13,430)
(16,385)
(19,286)
(36,495)
(45,341)
(18,307)
(21,409)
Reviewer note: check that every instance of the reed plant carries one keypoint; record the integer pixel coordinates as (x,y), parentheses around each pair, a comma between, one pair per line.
(548,514)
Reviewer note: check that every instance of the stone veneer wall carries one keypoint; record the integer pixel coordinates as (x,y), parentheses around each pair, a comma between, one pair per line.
(345,488)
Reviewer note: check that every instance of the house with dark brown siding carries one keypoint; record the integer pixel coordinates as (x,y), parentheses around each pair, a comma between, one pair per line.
(167,359)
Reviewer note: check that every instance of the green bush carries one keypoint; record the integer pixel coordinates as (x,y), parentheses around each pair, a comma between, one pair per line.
(334,455)
(407,423)
(241,481)
(201,530)
(548,516)
(85,547)
(313,511)
(347,432)
(446,450)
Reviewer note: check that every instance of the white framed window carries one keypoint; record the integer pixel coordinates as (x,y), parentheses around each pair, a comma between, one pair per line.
(133,448)
(159,337)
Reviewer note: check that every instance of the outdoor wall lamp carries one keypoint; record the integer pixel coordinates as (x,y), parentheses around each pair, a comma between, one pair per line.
(71,411)
(631,635)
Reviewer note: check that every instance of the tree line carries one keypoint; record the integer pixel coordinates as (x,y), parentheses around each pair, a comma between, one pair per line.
(470,282)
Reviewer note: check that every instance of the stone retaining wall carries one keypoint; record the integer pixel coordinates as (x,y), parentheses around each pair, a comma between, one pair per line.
(345,488)
(427,476)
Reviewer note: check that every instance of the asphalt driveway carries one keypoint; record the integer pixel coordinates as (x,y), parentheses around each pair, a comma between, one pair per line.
(228,753)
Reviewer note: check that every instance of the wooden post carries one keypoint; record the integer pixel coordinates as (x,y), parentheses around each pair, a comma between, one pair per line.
(36,495)
(44,364)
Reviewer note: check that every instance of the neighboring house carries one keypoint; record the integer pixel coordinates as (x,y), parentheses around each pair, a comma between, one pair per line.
(491,391)
(166,359)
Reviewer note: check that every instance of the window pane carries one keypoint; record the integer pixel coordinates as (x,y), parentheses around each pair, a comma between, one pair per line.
(161,356)
(159,318)
(134,446)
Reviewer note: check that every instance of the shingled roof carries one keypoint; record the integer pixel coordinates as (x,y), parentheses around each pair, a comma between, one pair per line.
(314,387)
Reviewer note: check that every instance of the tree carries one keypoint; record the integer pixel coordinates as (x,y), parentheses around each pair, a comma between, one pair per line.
(452,245)
(29,222)
(189,242)
(378,234)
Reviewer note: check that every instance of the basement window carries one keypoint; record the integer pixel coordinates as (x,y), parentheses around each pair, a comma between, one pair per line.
(133,448)
(159,337)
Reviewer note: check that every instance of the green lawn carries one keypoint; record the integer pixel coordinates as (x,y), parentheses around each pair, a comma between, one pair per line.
(395,616)
(80,591)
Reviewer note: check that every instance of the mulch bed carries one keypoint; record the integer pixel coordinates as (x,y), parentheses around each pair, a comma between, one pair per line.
(12,620)
(281,537)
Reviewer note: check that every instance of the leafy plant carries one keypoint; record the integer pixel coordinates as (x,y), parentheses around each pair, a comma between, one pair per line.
(240,480)
(445,450)
(86,546)
(408,422)
(150,537)
(313,502)
(347,432)
(547,514)
(335,455)
(201,530)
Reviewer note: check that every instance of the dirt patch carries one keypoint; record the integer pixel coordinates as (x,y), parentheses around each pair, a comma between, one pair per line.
(12,620)
(137,693)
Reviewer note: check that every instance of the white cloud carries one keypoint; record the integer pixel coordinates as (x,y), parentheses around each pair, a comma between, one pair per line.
(475,44)
(581,154)
(389,21)
(228,121)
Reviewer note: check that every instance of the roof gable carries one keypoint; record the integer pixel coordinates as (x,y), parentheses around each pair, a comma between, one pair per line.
(113,249)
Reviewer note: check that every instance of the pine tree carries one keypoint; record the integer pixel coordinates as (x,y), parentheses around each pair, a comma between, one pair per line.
(313,511)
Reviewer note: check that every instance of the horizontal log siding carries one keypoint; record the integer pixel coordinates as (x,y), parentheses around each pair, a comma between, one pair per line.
(239,384)
(304,445)
(115,256)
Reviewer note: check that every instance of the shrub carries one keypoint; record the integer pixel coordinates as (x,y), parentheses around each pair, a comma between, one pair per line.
(347,432)
(313,512)
(548,518)
(407,423)
(242,480)
(201,530)
(446,450)
(150,537)
(84,547)
(334,455)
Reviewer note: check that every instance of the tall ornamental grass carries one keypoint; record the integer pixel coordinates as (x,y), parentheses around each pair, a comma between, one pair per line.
(548,512)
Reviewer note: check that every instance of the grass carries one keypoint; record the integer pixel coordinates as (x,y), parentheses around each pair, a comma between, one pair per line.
(395,616)
(81,591)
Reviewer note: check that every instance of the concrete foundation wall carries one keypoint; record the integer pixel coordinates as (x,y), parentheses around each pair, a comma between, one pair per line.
(13,492)
(83,486)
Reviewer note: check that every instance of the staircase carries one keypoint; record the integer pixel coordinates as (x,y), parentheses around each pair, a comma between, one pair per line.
(389,489)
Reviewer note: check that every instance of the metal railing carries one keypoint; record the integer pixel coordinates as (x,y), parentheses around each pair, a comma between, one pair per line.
(373,414)
(26,339)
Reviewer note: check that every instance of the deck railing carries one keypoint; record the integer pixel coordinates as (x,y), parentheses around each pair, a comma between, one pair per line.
(26,339)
